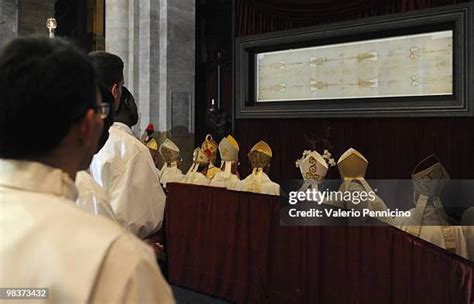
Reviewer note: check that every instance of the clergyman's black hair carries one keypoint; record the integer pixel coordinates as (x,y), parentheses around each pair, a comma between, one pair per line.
(47,85)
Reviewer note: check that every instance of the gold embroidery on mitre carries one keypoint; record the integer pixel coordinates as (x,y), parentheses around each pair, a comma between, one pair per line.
(313,168)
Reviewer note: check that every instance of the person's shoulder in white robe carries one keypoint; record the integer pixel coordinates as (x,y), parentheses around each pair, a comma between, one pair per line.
(92,197)
(171,175)
(468,230)
(125,168)
(267,186)
(47,241)
(196,178)
(431,229)
(221,181)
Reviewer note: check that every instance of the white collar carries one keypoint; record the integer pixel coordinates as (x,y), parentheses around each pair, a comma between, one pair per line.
(123,127)
(36,177)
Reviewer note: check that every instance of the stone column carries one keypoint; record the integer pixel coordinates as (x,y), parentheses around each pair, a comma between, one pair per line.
(8,20)
(156,40)
(116,30)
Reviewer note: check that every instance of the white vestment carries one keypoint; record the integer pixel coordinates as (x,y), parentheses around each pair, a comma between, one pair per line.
(360,185)
(429,222)
(46,241)
(170,175)
(196,178)
(431,227)
(125,169)
(92,197)
(468,230)
(222,181)
(249,184)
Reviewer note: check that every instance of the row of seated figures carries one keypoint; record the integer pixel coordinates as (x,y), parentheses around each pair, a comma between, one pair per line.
(204,172)
(428,219)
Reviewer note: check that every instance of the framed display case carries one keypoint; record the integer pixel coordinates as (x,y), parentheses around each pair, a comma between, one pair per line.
(411,64)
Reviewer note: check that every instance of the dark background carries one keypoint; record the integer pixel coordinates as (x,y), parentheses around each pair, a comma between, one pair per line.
(393,146)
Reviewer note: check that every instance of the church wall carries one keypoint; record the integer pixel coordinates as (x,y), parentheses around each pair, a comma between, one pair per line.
(32,16)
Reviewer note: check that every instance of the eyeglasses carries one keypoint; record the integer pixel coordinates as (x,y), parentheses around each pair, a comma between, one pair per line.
(103,109)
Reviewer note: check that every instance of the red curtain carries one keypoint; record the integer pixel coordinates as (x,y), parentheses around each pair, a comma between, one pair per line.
(261,16)
(230,245)
(393,146)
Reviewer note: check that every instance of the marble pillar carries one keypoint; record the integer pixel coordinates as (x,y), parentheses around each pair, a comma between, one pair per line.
(156,40)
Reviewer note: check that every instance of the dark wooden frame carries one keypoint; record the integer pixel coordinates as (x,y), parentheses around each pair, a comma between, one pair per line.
(459,18)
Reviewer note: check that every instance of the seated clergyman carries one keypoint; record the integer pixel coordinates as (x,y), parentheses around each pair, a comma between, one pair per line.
(197,173)
(153,144)
(170,172)
(258,181)
(428,219)
(209,146)
(228,176)
(352,166)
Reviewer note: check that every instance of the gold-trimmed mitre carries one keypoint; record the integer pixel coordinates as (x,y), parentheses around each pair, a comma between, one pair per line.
(260,155)
(352,164)
(152,144)
(200,157)
(312,166)
(209,146)
(229,149)
(169,151)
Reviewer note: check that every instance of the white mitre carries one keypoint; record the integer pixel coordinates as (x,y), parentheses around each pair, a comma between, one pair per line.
(199,158)
(229,152)
(169,151)
(313,168)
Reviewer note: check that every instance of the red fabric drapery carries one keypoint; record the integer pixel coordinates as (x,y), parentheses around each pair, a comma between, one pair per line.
(230,245)
(261,16)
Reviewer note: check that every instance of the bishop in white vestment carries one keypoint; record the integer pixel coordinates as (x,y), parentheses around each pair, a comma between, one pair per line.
(428,219)
(209,146)
(258,181)
(227,177)
(170,172)
(196,174)
(352,166)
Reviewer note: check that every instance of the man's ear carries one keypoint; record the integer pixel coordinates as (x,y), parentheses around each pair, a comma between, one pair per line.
(86,126)
(116,93)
